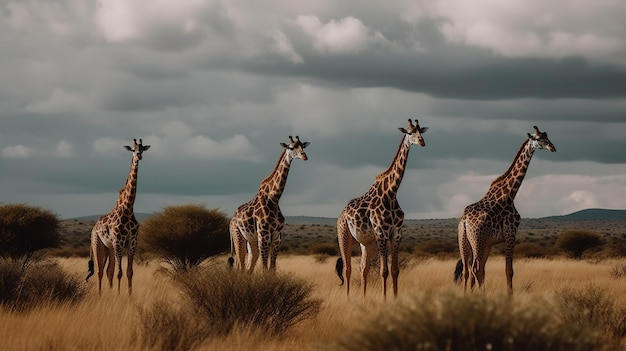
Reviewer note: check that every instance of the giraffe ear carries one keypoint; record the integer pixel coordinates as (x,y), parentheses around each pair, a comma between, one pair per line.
(284,145)
(128,148)
(305,144)
(146,147)
(423,130)
(403,130)
(529,136)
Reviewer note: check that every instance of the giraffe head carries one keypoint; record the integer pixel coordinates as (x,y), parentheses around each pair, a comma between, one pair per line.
(295,148)
(414,133)
(137,149)
(539,140)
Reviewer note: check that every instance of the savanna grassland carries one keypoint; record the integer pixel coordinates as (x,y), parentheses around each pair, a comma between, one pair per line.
(112,321)
(559,291)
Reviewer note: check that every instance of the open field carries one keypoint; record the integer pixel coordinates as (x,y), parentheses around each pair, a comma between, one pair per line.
(111,321)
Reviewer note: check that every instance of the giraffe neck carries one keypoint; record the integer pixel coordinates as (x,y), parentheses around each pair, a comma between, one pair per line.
(126,199)
(507,185)
(390,179)
(272,187)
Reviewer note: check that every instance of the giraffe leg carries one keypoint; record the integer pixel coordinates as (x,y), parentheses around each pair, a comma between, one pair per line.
(395,265)
(480,261)
(274,252)
(239,244)
(264,246)
(110,266)
(465,251)
(508,252)
(129,270)
(118,257)
(100,251)
(365,268)
(384,269)
(254,255)
(344,237)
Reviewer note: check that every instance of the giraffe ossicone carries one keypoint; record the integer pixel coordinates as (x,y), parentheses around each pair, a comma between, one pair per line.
(494,218)
(375,219)
(257,225)
(117,229)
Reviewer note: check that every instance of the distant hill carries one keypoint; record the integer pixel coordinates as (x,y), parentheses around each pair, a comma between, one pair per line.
(582,215)
(592,214)
(140,217)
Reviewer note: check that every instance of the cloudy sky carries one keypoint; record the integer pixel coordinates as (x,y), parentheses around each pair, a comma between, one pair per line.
(215,86)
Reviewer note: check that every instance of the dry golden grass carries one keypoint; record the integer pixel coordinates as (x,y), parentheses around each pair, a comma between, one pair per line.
(111,321)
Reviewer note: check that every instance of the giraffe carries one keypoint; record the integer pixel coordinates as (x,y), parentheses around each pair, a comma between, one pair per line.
(375,219)
(494,218)
(259,222)
(118,229)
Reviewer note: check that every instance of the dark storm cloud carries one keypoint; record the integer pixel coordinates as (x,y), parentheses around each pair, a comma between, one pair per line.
(214,86)
(462,73)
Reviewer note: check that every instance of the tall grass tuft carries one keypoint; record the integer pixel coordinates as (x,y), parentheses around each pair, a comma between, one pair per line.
(452,321)
(217,301)
(166,327)
(27,283)
(592,307)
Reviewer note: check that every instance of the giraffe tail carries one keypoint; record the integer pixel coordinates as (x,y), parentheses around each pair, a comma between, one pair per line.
(90,265)
(458,271)
(339,269)
(231,259)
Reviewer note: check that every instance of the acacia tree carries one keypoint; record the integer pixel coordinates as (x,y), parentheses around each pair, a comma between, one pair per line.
(26,229)
(575,242)
(185,235)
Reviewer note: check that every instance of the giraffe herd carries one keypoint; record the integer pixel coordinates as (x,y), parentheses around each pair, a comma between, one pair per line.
(373,220)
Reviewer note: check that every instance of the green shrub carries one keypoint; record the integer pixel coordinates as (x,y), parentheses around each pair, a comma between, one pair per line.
(25,229)
(185,235)
(452,321)
(216,301)
(25,284)
(575,242)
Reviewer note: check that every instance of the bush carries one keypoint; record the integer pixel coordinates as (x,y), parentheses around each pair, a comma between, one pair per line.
(216,301)
(25,284)
(576,242)
(186,235)
(439,247)
(452,321)
(324,249)
(25,229)
(529,250)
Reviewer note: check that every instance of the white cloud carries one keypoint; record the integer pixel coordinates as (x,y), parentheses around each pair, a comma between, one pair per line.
(566,193)
(176,139)
(283,47)
(107,145)
(346,36)
(55,19)
(17,151)
(162,23)
(59,101)
(536,28)
(64,149)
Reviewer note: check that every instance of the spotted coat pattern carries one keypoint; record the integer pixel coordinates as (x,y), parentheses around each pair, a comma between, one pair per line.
(258,223)
(375,219)
(118,229)
(494,219)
